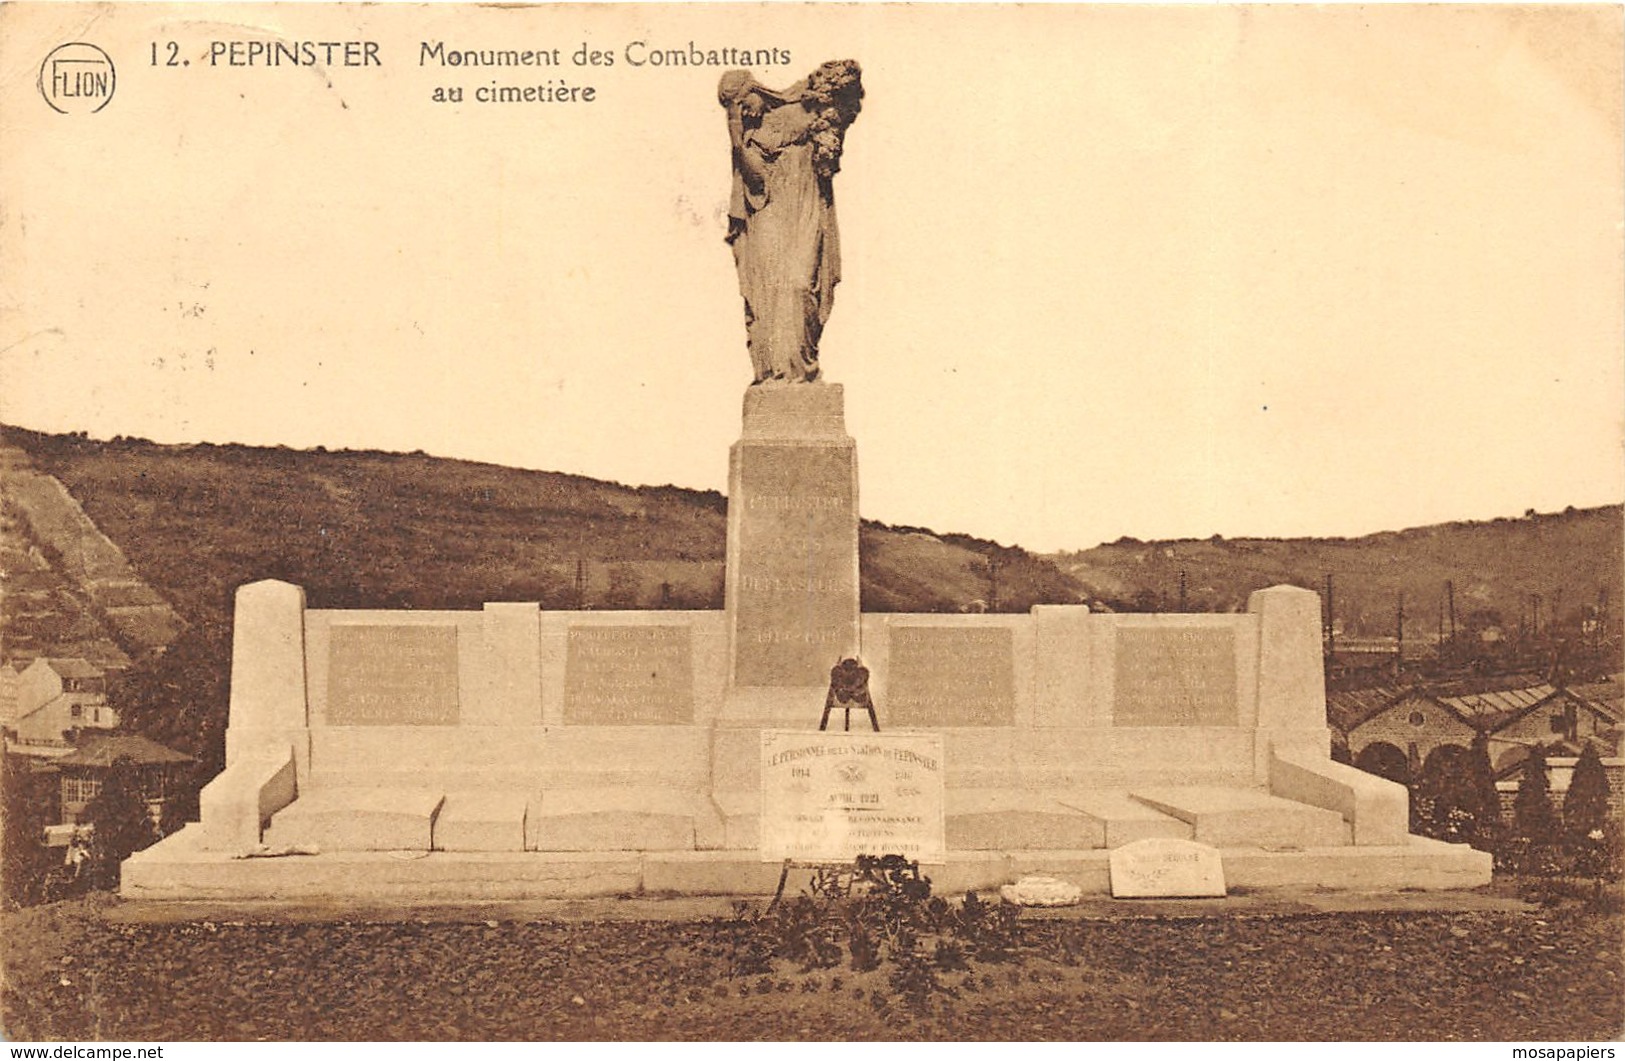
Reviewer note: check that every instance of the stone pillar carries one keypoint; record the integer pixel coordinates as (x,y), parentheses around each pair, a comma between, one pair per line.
(268,730)
(512,659)
(268,706)
(792,573)
(1291,673)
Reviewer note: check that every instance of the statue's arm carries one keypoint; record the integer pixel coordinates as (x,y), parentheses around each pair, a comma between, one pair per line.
(749,157)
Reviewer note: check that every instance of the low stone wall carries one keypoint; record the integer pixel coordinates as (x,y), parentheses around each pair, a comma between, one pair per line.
(593,715)
(1203,693)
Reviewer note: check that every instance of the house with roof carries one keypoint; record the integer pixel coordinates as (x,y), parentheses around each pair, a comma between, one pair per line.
(1392,731)
(9,674)
(1560,718)
(1608,692)
(56,697)
(161,773)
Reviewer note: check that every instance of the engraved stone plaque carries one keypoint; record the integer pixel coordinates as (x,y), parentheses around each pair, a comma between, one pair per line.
(628,676)
(794,596)
(392,676)
(1176,676)
(947,676)
(834,796)
(1164,867)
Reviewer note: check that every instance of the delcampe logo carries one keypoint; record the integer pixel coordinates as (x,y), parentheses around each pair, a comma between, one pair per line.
(77,78)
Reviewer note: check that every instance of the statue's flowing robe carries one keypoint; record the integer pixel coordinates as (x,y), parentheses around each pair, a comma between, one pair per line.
(786,247)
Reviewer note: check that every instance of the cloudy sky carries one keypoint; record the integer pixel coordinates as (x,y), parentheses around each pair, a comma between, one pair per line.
(1107,271)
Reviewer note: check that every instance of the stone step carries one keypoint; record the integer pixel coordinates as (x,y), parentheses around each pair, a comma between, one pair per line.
(482,820)
(1123,819)
(1001,819)
(623,818)
(1238,817)
(358,819)
(177,867)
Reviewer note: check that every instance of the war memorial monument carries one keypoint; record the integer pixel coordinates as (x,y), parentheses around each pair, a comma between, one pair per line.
(514,753)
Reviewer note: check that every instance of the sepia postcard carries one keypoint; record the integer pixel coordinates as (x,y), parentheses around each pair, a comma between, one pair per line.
(812,522)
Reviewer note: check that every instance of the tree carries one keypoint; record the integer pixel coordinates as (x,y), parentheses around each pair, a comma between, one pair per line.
(1533,817)
(1585,808)
(1444,799)
(1487,804)
(122,824)
(180,697)
(24,858)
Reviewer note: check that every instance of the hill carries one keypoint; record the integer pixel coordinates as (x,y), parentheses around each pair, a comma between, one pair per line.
(389,530)
(1569,559)
(126,545)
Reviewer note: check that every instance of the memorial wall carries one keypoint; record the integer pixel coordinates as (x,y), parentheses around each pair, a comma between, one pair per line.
(523,693)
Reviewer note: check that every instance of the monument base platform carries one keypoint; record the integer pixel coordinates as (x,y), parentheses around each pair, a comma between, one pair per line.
(178,868)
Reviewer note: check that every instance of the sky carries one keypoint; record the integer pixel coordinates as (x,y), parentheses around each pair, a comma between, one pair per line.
(1159,272)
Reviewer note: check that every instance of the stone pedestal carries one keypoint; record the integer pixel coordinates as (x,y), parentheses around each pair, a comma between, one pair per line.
(792,575)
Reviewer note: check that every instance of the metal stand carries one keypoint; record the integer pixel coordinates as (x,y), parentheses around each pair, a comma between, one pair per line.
(848,688)
(846,707)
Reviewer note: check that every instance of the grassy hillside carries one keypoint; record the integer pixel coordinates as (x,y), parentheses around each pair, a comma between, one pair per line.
(366,529)
(1496,566)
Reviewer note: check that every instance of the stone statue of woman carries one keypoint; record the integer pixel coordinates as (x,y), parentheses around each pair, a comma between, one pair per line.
(781,216)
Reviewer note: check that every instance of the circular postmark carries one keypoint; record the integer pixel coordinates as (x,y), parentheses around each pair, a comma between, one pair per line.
(77,78)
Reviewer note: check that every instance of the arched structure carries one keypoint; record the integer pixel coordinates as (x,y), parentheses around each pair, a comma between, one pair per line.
(1384,760)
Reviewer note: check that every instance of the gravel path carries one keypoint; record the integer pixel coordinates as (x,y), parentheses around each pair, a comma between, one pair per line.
(72,971)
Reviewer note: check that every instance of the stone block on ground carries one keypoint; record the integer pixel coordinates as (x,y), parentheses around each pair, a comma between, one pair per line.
(1165,868)
(1376,808)
(234,807)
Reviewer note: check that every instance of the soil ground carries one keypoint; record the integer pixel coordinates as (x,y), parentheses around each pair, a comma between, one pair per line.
(1283,966)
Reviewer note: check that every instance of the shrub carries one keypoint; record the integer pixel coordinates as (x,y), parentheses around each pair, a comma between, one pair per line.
(914,977)
(122,824)
(1487,800)
(1585,808)
(865,952)
(27,862)
(889,917)
(989,929)
(1533,818)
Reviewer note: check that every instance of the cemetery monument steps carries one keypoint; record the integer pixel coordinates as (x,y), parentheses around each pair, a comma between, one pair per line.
(518,753)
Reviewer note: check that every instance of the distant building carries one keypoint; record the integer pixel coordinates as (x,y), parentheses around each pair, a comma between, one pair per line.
(8,695)
(1608,694)
(1561,719)
(56,697)
(1394,731)
(161,773)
